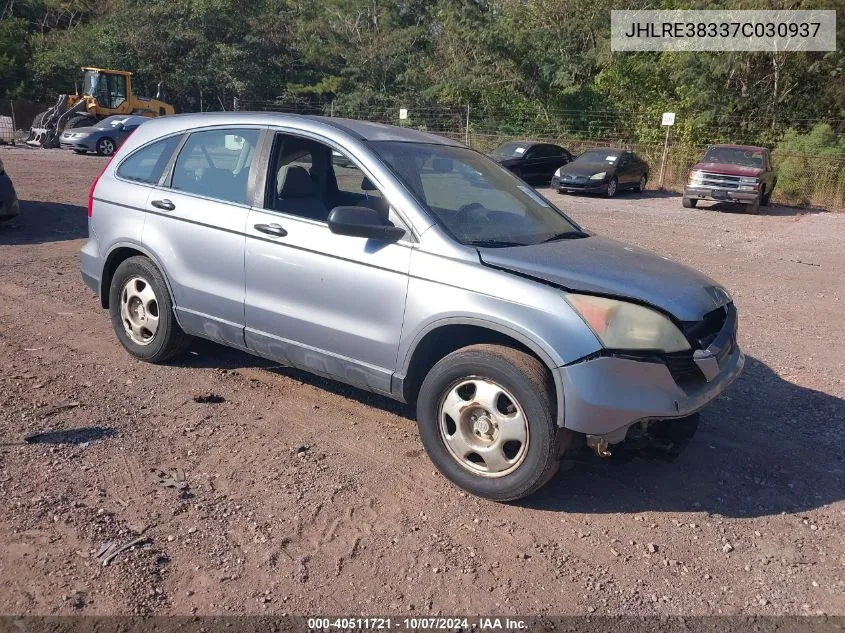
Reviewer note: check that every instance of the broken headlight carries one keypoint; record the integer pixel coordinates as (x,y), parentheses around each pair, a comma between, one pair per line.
(627,326)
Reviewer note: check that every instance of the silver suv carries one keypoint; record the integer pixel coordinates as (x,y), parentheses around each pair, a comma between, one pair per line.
(408,265)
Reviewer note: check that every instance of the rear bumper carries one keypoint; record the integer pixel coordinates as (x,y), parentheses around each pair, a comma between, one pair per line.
(604,396)
(720,195)
(91,266)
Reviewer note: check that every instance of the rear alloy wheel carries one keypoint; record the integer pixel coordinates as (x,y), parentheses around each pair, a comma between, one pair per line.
(641,185)
(612,186)
(142,312)
(486,419)
(106,146)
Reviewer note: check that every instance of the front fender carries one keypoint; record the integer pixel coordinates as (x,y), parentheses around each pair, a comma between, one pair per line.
(530,312)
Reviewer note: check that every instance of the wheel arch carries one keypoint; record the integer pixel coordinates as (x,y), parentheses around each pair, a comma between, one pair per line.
(118,254)
(444,336)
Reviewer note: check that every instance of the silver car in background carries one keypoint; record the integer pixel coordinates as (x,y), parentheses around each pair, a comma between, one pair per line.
(411,266)
(104,138)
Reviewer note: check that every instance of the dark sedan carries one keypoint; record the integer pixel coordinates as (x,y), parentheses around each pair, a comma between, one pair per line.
(605,171)
(9,207)
(104,137)
(532,161)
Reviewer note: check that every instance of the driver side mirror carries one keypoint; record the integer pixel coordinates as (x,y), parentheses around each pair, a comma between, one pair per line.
(363,222)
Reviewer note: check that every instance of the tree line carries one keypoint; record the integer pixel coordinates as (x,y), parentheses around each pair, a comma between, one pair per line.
(519,63)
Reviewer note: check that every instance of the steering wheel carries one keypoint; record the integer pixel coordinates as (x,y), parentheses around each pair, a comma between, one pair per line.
(465,211)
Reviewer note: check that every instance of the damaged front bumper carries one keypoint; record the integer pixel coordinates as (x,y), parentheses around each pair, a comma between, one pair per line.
(607,394)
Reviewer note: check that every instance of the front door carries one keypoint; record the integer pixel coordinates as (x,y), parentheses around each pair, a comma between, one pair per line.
(326,303)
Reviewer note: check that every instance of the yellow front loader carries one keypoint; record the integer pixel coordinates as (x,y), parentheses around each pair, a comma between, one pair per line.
(104,93)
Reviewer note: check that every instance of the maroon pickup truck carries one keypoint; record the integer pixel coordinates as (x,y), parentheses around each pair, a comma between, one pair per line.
(732,173)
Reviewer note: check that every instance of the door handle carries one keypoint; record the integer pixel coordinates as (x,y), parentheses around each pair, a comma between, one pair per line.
(271,229)
(165,204)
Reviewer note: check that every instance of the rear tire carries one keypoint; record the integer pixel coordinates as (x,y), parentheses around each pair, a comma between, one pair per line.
(142,312)
(521,391)
(641,184)
(689,203)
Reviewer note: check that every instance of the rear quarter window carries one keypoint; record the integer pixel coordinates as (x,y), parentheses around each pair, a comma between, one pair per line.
(147,164)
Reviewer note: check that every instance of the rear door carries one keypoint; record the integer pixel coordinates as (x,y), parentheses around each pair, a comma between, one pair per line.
(196,220)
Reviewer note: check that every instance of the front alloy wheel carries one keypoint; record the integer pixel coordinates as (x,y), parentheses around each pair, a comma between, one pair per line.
(611,187)
(484,428)
(105,147)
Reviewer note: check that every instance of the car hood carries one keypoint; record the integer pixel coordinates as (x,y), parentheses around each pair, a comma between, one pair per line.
(587,169)
(729,169)
(85,131)
(603,266)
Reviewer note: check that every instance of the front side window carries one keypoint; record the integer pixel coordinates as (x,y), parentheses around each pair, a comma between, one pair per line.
(308,179)
(147,164)
(91,83)
(478,201)
(216,164)
(117,90)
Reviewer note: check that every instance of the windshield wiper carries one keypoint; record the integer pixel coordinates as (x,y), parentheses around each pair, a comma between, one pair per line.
(566,235)
(494,243)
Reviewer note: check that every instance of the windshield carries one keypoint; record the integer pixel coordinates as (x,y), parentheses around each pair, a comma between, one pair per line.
(599,156)
(90,82)
(111,122)
(474,198)
(735,156)
(511,150)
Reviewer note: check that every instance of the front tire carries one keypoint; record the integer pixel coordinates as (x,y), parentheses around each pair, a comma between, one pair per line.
(689,203)
(106,146)
(486,415)
(142,312)
(612,187)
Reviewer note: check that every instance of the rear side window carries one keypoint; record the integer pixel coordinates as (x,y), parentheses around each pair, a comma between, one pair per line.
(216,163)
(148,163)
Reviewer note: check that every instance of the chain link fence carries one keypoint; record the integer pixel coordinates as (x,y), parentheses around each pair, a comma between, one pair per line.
(817,181)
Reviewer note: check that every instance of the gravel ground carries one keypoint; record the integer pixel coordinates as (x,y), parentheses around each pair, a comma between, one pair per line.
(259,489)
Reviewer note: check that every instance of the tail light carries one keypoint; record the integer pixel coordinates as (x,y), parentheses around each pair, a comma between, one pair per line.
(100,175)
(94,186)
